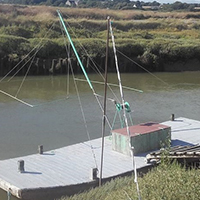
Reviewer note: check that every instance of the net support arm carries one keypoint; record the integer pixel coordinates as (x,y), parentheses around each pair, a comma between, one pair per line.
(74,49)
(13,97)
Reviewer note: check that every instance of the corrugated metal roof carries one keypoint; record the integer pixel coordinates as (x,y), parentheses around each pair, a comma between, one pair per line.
(141,128)
(181,153)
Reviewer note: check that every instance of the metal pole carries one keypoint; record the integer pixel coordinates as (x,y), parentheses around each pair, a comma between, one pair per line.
(105,96)
(74,49)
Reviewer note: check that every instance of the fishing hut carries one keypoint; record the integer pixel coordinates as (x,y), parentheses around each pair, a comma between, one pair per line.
(143,137)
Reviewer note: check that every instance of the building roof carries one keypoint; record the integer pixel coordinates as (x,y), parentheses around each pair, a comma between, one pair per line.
(141,128)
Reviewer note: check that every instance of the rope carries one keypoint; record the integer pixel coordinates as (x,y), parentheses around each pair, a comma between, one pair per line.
(68,66)
(97,70)
(87,78)
(111,84)
(9,194)
(142,68)
(83,115)
(68,56)
(75,52)
(25,77)
(120,119)
(124,111)
(18,63)
(36,47)
(52,101)
(102,97)
(114,119)
(118,52)
(135,173)
(130,119)
(13,97)
(24,64)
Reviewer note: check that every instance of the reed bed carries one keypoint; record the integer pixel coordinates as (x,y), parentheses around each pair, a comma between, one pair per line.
(160,37)
(94,13)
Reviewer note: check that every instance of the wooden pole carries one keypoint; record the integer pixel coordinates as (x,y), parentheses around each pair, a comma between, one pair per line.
(21,166)
(93,174)
(40,149)
(105,96)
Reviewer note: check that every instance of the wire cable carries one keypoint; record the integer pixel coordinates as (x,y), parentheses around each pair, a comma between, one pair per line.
(36,47)
(143,68)
(83,115)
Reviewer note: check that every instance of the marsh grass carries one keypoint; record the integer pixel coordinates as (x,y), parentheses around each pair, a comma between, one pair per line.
(166,182)
(151,37)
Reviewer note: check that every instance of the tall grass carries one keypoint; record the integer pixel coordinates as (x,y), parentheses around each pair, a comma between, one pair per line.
(166,182)
(152,38)
(88,13)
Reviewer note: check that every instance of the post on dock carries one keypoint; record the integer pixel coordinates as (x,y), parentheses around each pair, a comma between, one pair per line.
(172,117)
(40,149)
(21,166)
(93,174)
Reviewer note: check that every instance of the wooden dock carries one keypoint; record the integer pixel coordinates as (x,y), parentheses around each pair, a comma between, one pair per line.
(67,170)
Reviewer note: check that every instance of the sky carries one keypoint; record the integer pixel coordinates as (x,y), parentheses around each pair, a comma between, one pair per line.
(172,1)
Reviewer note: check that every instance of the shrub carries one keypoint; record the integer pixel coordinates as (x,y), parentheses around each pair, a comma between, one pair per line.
(167,181)
(11,44)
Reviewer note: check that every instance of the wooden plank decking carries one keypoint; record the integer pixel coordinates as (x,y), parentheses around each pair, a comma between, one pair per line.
(67,170)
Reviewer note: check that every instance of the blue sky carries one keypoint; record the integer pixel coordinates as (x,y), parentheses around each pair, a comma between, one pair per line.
(172,1)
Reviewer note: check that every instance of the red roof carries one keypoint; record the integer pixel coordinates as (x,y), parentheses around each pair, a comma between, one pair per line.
(141,128)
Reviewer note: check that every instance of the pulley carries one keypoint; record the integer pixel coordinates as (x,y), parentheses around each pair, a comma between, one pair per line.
(126,105)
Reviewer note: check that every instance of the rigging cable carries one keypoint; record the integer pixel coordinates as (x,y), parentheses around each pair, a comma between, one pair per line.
(81,65)
(143,68)
(19,64)
(82,112)
(9,194)
(68,56)
(108,84)
(112,84)
(36,47)
(79,99)
(95,65)
(68,66)
(124,111)
(122,55)
(15,97)
(33,56)
(25,76)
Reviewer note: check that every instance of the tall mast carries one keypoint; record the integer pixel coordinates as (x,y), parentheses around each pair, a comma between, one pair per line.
(125,107)
(105,96)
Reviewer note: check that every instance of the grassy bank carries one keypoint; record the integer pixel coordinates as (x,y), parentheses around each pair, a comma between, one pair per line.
(170,182)
(149,38)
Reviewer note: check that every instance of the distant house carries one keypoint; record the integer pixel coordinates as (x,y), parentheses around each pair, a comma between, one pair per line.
(150,7)
(71,3)
(197,8)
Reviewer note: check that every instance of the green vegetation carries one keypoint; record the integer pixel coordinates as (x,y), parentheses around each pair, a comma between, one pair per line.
(114,4)
(167,181)
(150,38)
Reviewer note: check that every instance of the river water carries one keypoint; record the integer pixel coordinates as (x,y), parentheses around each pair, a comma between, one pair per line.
(56,121)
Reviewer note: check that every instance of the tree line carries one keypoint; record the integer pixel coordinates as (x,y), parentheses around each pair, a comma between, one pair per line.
(111,4)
